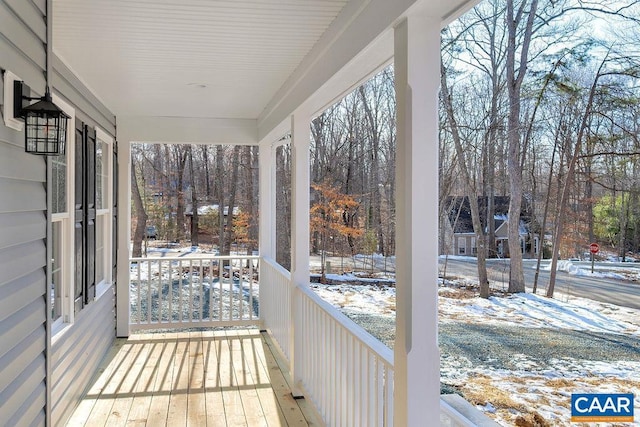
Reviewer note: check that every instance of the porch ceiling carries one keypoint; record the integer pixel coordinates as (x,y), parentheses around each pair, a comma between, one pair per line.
(229,59)
(188,58)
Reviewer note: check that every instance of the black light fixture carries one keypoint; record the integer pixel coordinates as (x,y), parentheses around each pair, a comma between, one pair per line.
(45,123)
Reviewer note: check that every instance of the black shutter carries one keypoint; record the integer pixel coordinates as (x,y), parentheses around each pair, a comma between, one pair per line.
(90,213)
(114,253)
(85,216)
(79,221)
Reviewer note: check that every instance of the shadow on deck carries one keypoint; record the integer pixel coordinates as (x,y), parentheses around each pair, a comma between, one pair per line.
(210,378)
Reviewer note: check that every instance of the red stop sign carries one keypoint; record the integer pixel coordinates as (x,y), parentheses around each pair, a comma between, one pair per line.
(594,248)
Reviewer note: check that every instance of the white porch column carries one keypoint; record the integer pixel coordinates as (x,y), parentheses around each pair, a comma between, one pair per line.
(124,237)
(416,354)
(267,200)
(266,226)
(300,183)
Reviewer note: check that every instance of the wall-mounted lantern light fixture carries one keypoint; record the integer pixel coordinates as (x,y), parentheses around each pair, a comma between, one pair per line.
(45,124)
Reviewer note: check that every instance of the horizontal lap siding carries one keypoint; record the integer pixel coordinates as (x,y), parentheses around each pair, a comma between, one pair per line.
(22,230)
(78,353)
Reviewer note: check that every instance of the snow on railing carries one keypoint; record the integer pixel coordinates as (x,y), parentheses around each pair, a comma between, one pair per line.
(276,300)
(346,372)
(450,417)
(194,291)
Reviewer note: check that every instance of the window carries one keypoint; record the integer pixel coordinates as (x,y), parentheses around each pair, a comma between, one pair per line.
(81,196)
(474,247)
(104,202)
(56,270)
(462,245)
(61,194)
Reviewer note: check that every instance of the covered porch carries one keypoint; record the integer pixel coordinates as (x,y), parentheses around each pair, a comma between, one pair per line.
(204,76)
(214,346)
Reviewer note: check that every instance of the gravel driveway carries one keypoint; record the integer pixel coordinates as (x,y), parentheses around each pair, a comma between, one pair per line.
(494,346)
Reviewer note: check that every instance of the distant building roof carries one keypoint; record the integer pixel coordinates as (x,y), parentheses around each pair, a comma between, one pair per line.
(207,209)
(459,214)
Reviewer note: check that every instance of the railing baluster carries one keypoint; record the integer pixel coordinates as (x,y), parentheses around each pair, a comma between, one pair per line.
(220,278)
(170,293)
(388,385)
(380,393)
(241,295)
(231,287)
(250,290)
(210,276)
(180,290)
(190,281)
(139,270)
(159,299)
(149,294)
(201,286)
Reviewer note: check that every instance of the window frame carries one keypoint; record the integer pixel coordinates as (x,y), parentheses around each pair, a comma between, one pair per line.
(67,315)
(65,220)
(105,214)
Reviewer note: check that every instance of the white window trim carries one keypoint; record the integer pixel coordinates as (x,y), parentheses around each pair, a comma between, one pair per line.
(103,286)
(67,312)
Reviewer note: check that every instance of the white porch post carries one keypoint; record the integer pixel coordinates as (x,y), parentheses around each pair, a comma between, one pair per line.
(267,200)
(300,183)
(124,237)
(266,228)
(416,353)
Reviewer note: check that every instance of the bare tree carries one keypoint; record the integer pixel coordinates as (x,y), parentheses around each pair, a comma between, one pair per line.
(471,190)
(138,207)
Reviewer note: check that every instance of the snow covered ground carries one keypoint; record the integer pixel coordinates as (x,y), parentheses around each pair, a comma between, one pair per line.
(531,388)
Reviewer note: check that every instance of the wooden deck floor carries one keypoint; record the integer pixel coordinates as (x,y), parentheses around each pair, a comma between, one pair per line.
(213,378)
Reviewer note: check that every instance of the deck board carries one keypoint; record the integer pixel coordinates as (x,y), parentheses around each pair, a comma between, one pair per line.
(212,378)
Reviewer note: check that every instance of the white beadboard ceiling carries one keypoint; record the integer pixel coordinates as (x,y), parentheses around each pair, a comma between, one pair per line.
(188,58)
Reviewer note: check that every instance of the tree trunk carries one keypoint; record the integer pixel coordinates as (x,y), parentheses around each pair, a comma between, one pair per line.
(219,190)
(207,177)
(514,150)
(195,241)
(181,160)
(233,188)
(564,198)
(470,189)
(545,214)
(141,214)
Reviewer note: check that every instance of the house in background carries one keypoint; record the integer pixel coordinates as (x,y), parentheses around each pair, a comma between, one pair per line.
(459,238)
(192,71)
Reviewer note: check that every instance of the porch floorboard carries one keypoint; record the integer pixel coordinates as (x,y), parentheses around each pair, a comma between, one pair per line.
(210,378)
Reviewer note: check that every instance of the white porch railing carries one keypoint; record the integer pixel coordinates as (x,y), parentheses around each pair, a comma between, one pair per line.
(194,291)
(275,302)
(346,372)
(450,417)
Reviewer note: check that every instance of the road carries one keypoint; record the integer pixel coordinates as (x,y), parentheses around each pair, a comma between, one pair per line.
(619,292)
